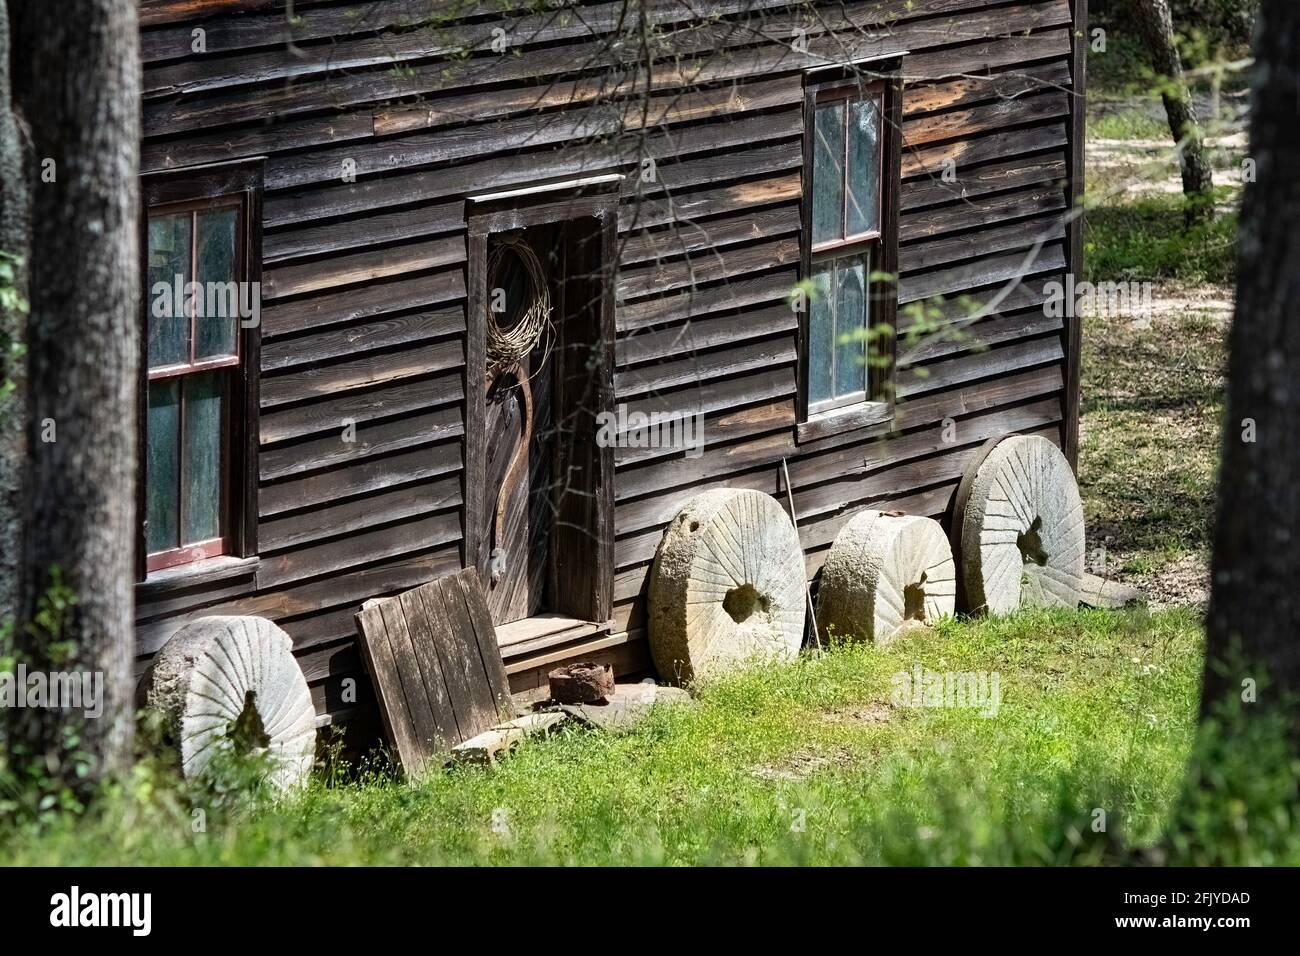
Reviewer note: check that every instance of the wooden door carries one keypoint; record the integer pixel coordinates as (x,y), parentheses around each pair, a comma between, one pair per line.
(520,440)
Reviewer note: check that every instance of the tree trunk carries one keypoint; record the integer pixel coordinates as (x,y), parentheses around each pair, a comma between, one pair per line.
(1254,602)
(79,88)
(1156,26)
(15,253)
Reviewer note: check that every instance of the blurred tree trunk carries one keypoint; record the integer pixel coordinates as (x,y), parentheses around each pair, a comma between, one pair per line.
(1156,27)
(78,85)
(15,239)
(1255,600)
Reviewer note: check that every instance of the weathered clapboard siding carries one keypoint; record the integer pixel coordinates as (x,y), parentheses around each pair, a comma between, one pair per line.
(364,331)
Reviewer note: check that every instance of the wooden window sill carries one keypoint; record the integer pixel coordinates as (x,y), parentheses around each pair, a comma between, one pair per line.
(840,420)
(196,574)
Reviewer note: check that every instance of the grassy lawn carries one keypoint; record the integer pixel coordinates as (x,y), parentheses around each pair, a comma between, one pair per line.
(1096,711)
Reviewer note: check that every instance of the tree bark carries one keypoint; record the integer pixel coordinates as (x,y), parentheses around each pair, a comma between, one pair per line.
(1254,603)
(1156,26)
(15,240)
(79,87)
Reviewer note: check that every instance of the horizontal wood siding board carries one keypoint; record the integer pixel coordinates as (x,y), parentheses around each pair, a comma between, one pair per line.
(962,124)
(930,161)
(283,353)
(421,463)
(369,438)
(707,266)
(334,413)
(708,298)
(697,335)
(1010,268)
(358,267)
(310,240)
(683,238)
(672,177)
(342,518)
(360,548)
(968,245)
(399,295)
(948,95)
(979,180)
(735,359)
(731,425)
(693,205)
(330,379)
(1001,208)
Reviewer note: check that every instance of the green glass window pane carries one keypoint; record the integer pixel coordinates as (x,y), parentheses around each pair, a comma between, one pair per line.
(162,462)
(214,329)
(821,335)
(203,398)
(828,173)
(850,328)
(169,257)
(863,212)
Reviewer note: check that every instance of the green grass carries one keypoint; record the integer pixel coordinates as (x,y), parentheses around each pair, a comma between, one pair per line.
(1126,124)
(1147,239)
(1098,710)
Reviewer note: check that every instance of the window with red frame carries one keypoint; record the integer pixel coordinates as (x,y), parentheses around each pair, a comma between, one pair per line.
(848,139)
(195,379)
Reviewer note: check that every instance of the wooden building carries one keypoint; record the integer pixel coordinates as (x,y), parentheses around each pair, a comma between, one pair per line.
(680,167)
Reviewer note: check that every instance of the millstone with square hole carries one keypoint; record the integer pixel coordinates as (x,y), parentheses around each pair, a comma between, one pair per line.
(1022,534)
(233,681)
(727,586)
(884,572)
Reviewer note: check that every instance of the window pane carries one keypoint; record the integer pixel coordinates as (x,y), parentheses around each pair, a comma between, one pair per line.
(218,273)
(203,398)
(850,326)
(828,172)
(864,167)
(169,257)
(161,487)
(821,335)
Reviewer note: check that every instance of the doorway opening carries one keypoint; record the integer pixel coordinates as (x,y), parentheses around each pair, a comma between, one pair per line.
(543,532)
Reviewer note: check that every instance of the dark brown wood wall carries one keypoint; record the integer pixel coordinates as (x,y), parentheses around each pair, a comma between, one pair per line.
(364,282)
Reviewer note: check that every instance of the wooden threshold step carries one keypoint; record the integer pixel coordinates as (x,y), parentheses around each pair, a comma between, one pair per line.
(531,634)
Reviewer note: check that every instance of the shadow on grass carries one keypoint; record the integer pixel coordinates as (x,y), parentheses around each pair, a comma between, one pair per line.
(1148,239)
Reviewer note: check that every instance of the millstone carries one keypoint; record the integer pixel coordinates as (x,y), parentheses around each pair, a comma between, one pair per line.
(886,571)
(727,586)
(235,679)
(1022,535)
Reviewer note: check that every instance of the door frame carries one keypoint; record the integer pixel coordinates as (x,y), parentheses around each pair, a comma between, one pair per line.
(596,198)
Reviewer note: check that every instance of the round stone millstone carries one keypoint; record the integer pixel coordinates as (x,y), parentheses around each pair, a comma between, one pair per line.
(727,586)
(885,571)
(219,673)
(1022,534)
